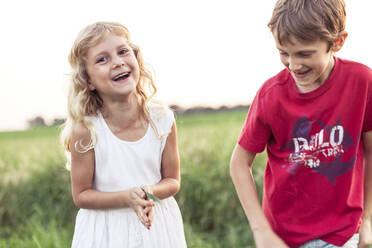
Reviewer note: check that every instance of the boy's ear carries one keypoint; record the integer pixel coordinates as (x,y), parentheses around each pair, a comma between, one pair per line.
(339,42)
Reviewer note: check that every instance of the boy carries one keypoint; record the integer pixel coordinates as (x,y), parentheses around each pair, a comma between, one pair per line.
(315,120)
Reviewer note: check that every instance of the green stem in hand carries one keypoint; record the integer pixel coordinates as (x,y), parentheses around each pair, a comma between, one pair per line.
(151,196)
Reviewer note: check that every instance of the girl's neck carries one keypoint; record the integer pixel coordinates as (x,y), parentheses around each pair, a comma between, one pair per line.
(123,114)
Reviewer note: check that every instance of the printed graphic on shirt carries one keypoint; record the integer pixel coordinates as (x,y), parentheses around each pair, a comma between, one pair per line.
(319,147)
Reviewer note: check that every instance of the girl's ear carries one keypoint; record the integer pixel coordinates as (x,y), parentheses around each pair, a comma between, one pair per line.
(90,85)
(339,42)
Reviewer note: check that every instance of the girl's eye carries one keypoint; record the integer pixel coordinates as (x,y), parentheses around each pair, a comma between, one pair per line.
(305,55)
(283,54)
(100,60)
(123,51)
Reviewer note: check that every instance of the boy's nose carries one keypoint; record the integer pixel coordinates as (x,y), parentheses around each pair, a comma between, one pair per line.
(294,65)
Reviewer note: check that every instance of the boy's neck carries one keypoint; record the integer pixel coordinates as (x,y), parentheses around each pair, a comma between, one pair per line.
(320,81)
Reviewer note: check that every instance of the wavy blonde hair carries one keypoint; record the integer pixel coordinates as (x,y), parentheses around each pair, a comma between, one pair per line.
(83,102)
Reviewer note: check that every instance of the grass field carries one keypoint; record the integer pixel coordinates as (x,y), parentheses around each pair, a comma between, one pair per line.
(36,208)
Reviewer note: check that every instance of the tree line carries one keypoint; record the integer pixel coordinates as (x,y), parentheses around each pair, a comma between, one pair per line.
(39,121)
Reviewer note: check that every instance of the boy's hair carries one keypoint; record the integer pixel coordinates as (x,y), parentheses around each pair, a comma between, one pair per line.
(308,20)
(83,102)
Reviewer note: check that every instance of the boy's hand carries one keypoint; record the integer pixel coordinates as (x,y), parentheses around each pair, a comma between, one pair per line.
(268,239)
(365,234)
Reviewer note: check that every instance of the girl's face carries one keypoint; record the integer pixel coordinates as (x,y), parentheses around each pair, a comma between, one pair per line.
(112,68)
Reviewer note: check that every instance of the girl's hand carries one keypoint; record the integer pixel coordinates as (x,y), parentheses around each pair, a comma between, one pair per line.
(138,202)
(149,211)
(267,239)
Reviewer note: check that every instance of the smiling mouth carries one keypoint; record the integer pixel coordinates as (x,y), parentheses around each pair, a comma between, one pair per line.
(301,74)
(121,76)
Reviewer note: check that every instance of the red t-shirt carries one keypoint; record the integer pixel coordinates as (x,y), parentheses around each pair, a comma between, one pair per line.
(313,184)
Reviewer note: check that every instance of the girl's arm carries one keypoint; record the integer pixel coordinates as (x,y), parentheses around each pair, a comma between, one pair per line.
(82,171)
(170,168)
(241,173)
(366,230)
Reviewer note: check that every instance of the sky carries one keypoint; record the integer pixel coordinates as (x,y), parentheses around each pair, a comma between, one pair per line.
(203,52)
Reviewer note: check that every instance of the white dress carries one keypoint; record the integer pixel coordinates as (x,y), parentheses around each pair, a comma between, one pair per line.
(121,165)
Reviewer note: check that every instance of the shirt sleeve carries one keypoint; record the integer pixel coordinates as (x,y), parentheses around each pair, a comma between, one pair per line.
(367,123)
(255,133)
(170,120)
(162,118)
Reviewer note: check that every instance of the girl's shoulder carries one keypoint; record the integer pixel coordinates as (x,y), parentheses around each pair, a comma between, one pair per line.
(159,111)
(161,117)
(79,131)
(83,137)
(85,130)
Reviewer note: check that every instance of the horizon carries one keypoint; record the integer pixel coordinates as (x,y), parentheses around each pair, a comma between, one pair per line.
(178,109)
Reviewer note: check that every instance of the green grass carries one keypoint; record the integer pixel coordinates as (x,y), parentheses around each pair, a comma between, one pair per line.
(36,208)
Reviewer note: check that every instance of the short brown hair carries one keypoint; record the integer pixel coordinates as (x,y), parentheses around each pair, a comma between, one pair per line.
(308,20)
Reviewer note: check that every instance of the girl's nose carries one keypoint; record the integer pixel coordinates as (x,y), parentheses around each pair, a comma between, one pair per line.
(116,65)
(117,62)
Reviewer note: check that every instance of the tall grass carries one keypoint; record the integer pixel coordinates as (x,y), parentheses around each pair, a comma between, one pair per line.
(36,208)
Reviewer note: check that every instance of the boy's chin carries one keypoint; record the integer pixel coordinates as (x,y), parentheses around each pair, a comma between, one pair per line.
(306,87)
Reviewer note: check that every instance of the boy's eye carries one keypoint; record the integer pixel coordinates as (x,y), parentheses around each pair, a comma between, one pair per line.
(305,55)
(283,54)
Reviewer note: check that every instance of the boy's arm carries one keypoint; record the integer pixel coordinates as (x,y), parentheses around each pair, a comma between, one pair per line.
(366,230)
(241,173)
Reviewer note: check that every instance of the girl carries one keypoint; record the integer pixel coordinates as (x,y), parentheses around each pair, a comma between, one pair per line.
(121,145)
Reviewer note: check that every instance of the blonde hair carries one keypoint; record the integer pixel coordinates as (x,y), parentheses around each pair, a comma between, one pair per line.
(308,20)
(83,102)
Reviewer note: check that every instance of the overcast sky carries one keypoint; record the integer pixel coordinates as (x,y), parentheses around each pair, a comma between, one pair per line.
(203,52)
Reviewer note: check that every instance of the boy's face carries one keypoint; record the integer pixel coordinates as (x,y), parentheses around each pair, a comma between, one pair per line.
(309,63)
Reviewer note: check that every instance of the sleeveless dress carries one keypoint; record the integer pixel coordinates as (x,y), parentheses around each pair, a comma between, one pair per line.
(121,165)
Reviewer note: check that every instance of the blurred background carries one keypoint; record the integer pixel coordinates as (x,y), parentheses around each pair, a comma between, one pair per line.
(209,53)
(214,54)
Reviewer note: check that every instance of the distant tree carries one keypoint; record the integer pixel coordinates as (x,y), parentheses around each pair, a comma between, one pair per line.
(222,108)
(176,109)
(38,121)
(199,109)
(58,121)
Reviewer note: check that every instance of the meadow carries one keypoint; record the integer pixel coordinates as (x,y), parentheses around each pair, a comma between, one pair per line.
(36,208)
